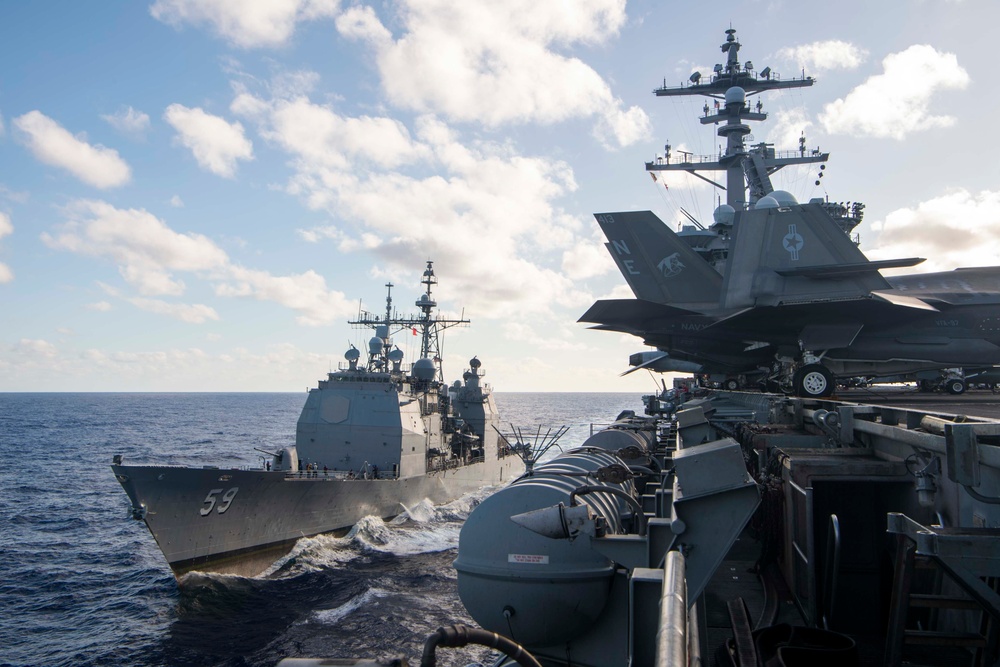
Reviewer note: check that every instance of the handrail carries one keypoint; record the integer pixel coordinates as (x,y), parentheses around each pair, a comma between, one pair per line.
(671,637)
(334,475)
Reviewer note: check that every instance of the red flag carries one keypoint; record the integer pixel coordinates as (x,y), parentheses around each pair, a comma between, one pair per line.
(414,331)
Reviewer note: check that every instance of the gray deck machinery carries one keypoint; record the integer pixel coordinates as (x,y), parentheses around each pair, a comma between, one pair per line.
(567,561)
(874,539)
(743,529)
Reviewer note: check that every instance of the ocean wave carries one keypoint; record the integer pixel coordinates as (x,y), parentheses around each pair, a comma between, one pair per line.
(312,554)
(338,614)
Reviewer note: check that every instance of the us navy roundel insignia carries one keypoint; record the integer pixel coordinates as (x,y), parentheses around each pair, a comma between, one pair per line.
(793,242)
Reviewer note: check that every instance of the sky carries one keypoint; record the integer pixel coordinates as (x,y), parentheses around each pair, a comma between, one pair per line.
(197,195)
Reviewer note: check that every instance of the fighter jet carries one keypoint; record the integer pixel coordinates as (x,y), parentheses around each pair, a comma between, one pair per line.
(799,303)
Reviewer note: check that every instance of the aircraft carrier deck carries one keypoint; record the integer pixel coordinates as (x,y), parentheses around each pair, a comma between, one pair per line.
(975,402)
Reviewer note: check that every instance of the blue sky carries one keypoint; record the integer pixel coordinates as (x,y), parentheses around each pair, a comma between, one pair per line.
(195,196)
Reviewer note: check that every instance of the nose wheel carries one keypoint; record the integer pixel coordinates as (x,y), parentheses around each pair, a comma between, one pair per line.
(813,381)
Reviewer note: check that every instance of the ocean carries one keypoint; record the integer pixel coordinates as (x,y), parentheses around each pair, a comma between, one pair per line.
(82,584)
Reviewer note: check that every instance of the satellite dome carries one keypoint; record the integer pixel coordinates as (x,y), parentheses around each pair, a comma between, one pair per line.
(724,214)
(426,301)
(767,202)
(784,198)
(375,345)
(423,369)
(474,363)
(396,355)
(352,354)
(736,95)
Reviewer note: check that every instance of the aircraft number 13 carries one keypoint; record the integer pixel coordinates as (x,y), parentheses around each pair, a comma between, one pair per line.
(227,500)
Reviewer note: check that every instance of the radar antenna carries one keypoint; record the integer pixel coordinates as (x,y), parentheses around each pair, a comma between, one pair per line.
(425,325)
(748,168)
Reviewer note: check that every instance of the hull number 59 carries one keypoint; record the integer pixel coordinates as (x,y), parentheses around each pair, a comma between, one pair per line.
(226,501)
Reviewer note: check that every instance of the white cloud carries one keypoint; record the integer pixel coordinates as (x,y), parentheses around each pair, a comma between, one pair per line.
(99,306)
(128,120)
(149,254)
(172,369)
(36,349)
(586,259)
(306,293)
(52,144)
(316,234)
(896,102)
(288,84)
(245,23)
(823,56)
(192,313)
(786,126)
(13,195)
(176,201)
(521,332)
(3,129)
(479,207)
(620,291)
(498,63)
(6,228)
(954,230)
(145,249)
(216,144)
(325,139)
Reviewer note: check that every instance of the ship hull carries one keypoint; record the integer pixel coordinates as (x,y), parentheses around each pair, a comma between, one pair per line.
(241,521)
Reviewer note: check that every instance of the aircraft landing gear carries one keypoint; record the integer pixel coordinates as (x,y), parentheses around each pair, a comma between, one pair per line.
(955,386)
(731,384)
(813,381)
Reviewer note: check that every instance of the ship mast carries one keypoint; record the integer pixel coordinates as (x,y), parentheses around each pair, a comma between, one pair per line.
(425,324)
(431,328)
(748,168)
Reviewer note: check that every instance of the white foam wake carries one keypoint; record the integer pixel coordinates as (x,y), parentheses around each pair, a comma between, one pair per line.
(337,614)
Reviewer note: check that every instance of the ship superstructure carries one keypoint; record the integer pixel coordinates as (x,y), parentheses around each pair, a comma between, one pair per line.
(373,439)
(748,166)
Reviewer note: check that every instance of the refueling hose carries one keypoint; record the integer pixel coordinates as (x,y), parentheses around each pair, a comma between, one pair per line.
(640,516)
(456,636)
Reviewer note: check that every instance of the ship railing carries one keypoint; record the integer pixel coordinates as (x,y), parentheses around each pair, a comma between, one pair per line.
(686,158)
(436,463)
(692,159)
(331,475)
(599,426)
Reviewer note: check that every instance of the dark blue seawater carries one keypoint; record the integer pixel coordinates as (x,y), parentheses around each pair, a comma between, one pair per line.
(82,584)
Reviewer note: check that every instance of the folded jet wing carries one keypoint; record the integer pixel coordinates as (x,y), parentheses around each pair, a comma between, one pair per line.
(634,312)
(834,271)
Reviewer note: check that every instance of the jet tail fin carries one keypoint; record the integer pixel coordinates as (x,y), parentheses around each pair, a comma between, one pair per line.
(797,254)
(657,264)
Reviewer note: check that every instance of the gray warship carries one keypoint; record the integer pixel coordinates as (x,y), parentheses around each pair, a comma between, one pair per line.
(372,440)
